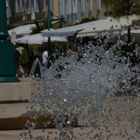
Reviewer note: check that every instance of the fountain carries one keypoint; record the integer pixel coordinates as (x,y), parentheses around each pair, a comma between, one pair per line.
(91,90)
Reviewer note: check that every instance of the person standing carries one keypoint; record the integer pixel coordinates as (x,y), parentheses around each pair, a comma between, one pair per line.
(45,55)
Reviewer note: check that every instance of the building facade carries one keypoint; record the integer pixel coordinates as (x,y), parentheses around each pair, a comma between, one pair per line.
(55,8)
(22,10)
(72,10)
(76,10)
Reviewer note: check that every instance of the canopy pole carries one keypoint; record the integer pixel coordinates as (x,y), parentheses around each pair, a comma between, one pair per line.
(49,26)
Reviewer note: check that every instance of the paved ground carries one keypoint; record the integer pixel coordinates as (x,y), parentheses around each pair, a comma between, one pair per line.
(117,119)
(78,134)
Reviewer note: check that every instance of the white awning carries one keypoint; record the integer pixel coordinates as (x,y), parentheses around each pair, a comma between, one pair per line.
(22,30)
(39,39)
(71,30)
(58,32)
(107,24)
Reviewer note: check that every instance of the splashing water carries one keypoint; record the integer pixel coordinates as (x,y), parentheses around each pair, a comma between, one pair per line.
(80,88)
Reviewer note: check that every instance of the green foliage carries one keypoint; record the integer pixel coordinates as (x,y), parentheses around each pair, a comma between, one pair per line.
(122,7)
(24,60)
(84,20)
(40,26)
(33,46)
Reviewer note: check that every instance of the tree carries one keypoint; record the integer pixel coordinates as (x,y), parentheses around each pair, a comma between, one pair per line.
(118,8)
(122,7)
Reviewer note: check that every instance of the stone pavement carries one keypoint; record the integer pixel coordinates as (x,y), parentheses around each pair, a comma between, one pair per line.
(16,91)
(85,133)
(117,119)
